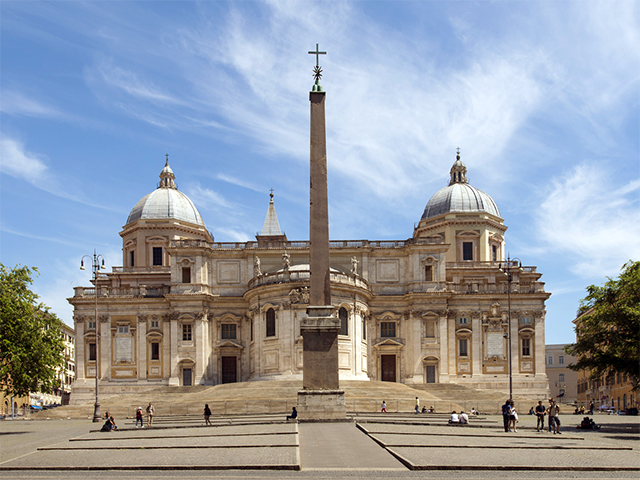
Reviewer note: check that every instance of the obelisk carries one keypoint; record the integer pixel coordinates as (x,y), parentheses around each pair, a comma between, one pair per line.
(320,399)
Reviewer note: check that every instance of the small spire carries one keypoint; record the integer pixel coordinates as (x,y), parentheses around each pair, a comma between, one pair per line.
(271,226)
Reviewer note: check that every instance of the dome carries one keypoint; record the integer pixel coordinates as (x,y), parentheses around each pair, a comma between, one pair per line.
(166,202)
(459,196)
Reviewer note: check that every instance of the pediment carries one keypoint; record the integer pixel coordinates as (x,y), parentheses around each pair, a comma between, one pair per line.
(229,343)
(389,342)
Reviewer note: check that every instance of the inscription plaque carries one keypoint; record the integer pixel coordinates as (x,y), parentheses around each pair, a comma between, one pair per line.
(123,349)
(494,344)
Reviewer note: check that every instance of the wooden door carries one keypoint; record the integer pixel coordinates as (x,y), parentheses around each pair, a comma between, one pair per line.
(229,369)
(388,364)
(431,374)
(186,377)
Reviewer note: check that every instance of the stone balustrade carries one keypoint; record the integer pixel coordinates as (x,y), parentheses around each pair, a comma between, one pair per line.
(303,276)
(120,292)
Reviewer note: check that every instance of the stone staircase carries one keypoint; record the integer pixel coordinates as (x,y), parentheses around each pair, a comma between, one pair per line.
(279,396)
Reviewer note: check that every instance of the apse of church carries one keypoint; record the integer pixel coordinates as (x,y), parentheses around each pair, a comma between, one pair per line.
(186,310)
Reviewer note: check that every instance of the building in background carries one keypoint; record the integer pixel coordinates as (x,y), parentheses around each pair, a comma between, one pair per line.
(186,310)
(563,382)
(613,391)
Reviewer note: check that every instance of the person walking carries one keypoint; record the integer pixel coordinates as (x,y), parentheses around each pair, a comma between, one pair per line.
(554,420)
(540,413)
(207,414)
(384,407)
(513,417)
(506,412)
(151,411)
(417,405)
(139,418)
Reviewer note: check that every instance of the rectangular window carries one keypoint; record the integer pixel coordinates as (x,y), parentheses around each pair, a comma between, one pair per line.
(186,274)
(186,332)
(364,329)
(463,320)
(428,273)
(157,255)
(463,347)
(132,257)
(155,324)
(251,328)
(561,359)
(494,253)
(550,360)
(91,325)
(388,329)
(123,329)
(228,330)
(430,329)
(467,250)
(526,347)
(92,352)
(561,377)
(155,351)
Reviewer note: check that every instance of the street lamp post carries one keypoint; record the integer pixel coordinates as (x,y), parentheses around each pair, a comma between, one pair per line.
(508,268)
(97,264)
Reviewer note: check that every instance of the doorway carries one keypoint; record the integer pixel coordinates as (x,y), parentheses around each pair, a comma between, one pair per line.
(186,377)
(431,374)
(388,366)
(229,370)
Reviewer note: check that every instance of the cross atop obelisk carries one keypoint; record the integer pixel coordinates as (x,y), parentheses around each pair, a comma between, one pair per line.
(317,70)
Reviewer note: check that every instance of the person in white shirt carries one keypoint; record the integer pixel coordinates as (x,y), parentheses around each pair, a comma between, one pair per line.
(454,417)
(463,418)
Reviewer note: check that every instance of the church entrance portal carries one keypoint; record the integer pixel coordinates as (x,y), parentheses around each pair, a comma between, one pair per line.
(388,366)
(229,370)
(186,377)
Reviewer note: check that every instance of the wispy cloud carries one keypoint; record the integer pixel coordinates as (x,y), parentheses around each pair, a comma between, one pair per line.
(238,182)
(18,162)
(16,103)
(590,221)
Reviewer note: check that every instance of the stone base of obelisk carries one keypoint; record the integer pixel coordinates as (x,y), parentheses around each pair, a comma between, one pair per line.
(321,406)
(321,398)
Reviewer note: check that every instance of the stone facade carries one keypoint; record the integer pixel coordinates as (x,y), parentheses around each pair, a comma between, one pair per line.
(186,310)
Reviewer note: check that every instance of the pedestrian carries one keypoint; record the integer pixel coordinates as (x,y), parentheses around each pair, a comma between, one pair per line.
(150,413)
(207,414)
(384,407)
(294,414)
(506,412)
(591,407)
(513,417)
(139,418)
(554,420)
(549,420)
(417,405)
(540,412)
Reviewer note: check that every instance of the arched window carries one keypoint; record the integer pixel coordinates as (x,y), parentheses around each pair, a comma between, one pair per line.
(271,323)
(344,321)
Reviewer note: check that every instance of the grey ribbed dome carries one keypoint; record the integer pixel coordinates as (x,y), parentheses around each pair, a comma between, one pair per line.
(166,202)
(459,196)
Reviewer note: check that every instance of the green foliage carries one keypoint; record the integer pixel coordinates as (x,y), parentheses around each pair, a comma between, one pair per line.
(608,332)
(31,342)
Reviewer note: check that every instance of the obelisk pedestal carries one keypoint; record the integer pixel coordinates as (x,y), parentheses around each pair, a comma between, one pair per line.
(320,398)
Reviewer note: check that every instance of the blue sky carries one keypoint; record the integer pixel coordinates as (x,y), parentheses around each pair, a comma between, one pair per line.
(543,99)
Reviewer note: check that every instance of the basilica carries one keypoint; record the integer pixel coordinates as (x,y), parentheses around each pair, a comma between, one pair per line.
(434,308)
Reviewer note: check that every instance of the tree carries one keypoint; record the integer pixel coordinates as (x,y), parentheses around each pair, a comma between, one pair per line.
(608,327)
(31,342)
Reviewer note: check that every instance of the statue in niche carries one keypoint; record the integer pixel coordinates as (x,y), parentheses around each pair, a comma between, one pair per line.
(256,267)
(354,265)
(286,261)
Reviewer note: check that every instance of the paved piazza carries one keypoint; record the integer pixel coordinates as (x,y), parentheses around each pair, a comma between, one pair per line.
(373,446)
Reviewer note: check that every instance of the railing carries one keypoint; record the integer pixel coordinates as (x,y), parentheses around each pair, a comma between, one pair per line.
(493,288)
(120,292)
(154,269)
(302,245)
(303,276)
